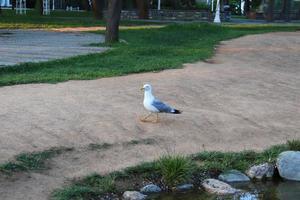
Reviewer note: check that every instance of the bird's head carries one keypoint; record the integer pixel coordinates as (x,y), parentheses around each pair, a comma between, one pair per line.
(146,87)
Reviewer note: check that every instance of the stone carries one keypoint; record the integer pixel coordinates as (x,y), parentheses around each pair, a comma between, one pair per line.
(288,164)
(265,170)
(151,188)
(233,176)
(133,195)
(215,186)
(184,187)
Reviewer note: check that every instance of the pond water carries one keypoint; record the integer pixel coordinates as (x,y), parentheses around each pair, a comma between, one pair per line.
(283,190)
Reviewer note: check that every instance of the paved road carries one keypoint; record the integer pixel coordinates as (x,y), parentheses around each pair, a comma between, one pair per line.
(18,46)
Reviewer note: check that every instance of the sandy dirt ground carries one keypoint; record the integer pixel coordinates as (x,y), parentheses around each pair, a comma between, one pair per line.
(246,97)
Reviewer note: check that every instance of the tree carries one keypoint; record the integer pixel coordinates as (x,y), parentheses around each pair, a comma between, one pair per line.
(286,10)
(98,7)
(86,5)
(143,8)
(39,6)
(113,20)
(247,6)
(270,16)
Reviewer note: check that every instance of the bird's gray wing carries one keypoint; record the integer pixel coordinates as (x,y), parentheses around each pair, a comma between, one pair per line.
(161,106)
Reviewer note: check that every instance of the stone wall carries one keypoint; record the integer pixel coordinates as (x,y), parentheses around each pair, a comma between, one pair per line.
(180,15)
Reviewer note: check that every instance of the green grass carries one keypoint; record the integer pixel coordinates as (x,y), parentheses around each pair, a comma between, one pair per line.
(32,161)
(146,141)
(57,19)
(146,50)
(102,146)
(87,188)
(175,169)
(170,169)
(294,145)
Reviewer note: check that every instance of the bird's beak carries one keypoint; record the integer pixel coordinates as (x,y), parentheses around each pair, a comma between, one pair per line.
(142,89)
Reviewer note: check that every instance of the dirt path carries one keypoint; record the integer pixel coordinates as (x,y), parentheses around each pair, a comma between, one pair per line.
(248,97)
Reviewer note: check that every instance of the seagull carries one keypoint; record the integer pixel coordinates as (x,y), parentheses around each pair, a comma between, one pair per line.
(154,105)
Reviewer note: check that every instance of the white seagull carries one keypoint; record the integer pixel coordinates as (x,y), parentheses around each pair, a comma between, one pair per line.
(154,105)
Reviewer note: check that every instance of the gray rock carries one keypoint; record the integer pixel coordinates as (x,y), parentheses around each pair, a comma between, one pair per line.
(134,195)
(288,164)
(151,188)
(184,187)
(233,176)
(215,186)
(265,170)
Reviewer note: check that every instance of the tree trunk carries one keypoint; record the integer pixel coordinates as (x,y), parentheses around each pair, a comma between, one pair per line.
(286,10)
(13,4)
(270,16)
(86,6)
(113,20)
(98,7)
(247,7)
(143,9)
(39,6)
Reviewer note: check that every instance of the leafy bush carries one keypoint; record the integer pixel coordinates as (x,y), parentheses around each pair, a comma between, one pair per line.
(175,169)
(202,6)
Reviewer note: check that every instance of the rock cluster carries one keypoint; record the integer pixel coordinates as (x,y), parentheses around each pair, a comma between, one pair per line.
(288,164)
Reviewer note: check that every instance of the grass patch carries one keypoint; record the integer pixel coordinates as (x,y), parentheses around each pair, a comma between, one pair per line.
(175,169)
(57,19)
(32,161)
(145,50)
(294,145)
(171,169)
(146,141)
(87,188)
(96,146)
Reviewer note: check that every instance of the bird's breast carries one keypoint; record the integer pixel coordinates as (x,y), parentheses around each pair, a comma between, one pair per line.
(148,105)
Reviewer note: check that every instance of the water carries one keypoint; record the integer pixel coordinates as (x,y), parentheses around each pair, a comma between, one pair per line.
(283,190)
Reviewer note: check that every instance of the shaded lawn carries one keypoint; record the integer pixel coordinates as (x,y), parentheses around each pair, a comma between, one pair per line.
(145,50)
(57,19)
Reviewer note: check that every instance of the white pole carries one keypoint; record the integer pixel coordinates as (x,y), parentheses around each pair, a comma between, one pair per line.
(212,5)
(53,6)
(217,16)
(158,5)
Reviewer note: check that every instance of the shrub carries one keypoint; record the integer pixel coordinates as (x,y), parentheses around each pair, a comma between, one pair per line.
(175,169)
(202,6)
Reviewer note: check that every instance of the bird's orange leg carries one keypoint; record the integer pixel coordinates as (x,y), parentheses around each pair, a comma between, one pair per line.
(144,119)
(157,118)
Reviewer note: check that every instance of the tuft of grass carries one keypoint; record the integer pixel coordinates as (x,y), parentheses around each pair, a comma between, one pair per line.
(293,145)
(88,188)
(97,146)
(175,169)
(145,50)
(147,141)
(33,160)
